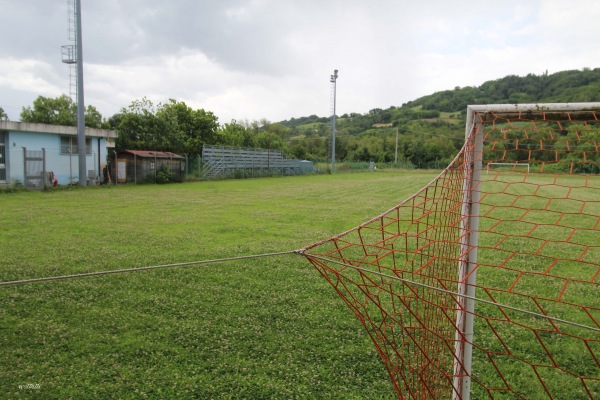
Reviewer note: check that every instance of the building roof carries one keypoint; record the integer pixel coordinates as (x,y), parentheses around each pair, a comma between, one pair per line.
(17,126)
(152,154)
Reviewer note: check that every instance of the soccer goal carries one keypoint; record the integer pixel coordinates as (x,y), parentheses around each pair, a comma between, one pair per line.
(486,284)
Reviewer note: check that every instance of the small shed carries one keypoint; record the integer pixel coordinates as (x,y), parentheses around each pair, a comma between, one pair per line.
(145,166)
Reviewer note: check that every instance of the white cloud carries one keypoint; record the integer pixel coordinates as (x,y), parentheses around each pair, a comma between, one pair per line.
(244,12)
(29,75)
(272,58)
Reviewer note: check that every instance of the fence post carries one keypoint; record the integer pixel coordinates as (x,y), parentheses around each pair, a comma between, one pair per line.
(44,178)
(186,171)
(24,166)
(134,169)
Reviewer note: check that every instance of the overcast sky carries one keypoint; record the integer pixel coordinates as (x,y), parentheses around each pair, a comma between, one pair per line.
(254,59)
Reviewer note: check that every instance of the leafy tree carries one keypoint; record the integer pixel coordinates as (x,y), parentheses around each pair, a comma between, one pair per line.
(187,130)
(171,127)
(3,115)
(236,134)
(267,140)
(59,111)
(93,118)
(137,127)
(298,151)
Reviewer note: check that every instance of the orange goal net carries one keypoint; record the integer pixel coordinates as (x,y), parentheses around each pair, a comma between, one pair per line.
(485,283)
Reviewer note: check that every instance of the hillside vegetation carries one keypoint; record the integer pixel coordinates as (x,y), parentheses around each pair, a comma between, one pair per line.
(430,128)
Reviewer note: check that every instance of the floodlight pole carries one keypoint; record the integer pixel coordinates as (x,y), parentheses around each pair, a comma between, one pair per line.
(80,103)
(333,80)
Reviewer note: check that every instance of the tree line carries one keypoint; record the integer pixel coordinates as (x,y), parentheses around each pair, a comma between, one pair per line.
(425,130)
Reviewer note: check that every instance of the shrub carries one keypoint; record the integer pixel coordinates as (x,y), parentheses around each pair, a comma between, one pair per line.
(163,175)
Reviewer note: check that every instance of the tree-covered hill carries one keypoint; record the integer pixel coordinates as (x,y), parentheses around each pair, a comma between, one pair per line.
(565,86)
(431,128)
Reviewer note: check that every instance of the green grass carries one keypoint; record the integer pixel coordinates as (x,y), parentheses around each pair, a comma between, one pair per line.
(266,328)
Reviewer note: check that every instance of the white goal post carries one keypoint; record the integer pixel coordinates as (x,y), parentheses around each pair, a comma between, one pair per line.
(470,225)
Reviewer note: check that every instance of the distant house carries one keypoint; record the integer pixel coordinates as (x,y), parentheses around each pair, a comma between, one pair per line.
(28,150)
(383,125)
(139,166)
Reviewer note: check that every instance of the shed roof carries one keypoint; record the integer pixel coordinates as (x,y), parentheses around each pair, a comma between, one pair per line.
(153,154)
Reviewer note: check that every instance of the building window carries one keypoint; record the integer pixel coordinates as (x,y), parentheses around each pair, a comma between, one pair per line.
(68,145)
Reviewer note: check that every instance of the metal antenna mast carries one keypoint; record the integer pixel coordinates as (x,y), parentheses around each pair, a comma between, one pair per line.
(333,81)
(73,55)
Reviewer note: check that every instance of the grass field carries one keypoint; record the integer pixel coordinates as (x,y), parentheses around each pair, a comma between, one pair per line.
(268,327)
(265,328)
